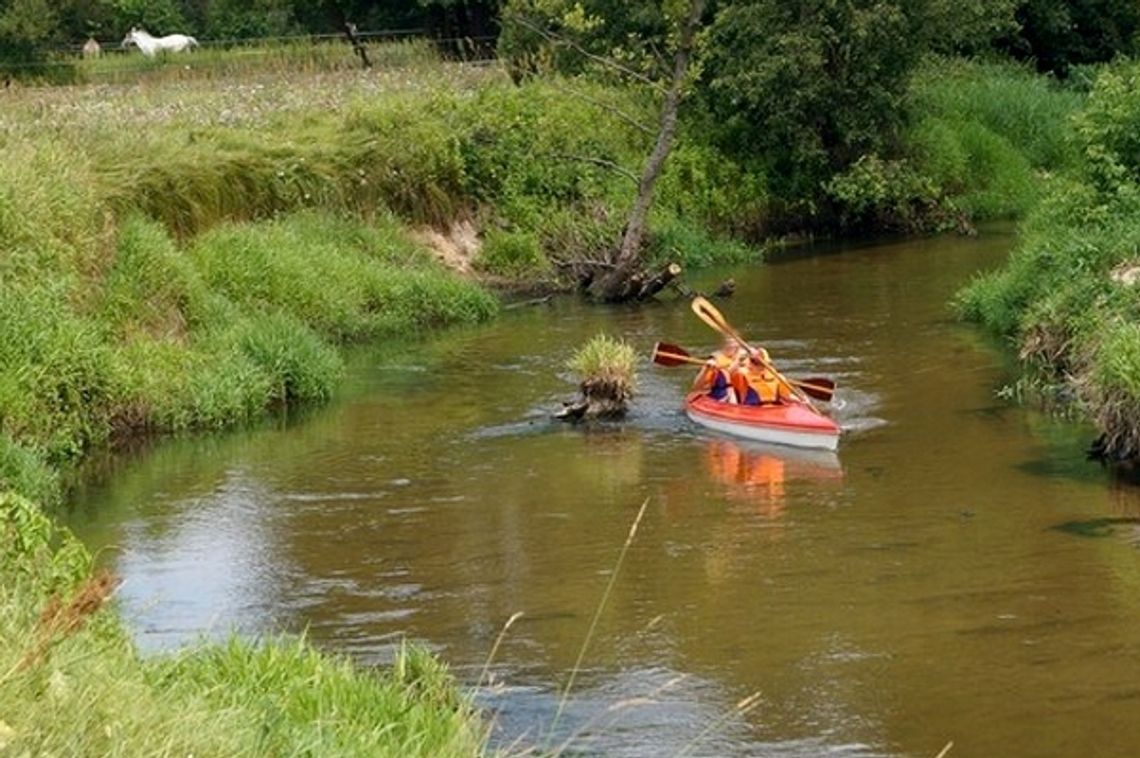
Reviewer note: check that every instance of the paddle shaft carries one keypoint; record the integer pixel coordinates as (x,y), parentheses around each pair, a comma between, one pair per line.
(683,358)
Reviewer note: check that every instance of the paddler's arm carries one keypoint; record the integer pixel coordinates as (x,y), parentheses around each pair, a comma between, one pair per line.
(706,376)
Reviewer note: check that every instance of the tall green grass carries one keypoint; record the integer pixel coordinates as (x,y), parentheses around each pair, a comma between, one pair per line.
(294,57)
(1065,296)
(166,336)
(983,132)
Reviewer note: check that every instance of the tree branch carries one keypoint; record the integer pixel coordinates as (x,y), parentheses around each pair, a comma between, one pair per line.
(615,167)
(603,105)
(556,38)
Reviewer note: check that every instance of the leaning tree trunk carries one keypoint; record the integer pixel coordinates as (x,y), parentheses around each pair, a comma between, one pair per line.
(614,284)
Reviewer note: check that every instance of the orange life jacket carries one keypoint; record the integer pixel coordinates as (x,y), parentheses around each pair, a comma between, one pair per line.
(760,380)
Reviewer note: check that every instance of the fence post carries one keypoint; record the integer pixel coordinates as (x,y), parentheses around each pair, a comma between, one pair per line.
(357,45)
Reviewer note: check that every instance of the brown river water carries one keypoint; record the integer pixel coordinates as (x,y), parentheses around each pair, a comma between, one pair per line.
(957,572)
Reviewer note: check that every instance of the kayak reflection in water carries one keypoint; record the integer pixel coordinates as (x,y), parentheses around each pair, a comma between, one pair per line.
(748,475)
(759,473)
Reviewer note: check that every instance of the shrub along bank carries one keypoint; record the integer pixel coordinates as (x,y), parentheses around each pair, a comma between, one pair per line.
(979,141)
(1070,295)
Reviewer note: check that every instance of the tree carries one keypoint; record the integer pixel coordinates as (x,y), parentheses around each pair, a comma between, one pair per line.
(808,86)
(156,16)
(27,29)
(1059,34)
(642,41)
(966,26)
(240,19)
(614,284)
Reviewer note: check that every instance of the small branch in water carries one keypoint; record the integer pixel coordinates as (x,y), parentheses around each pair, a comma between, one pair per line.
(526,303)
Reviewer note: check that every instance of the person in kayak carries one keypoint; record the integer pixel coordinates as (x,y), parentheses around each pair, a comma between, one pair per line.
(754,381)
(715,378)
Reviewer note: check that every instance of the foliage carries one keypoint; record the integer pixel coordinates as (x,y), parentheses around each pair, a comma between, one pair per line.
(1106,130)
(810,88)
(693,247)
(28,28)
(1068,293)
(158,17)
(967,27)
(1030,111)
(240,19)
(606,359)
(574,36)
(885,194)
(980,140)
(1061,34)
(157,335)
(512,254)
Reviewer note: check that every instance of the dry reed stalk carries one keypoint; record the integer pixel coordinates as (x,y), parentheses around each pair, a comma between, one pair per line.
(597,614)
(740,709)
(495,648)
(57,621)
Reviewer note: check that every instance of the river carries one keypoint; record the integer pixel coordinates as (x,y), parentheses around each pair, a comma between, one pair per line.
(957,572)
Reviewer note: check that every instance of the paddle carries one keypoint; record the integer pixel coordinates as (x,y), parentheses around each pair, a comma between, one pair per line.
(666,354)
(708,313)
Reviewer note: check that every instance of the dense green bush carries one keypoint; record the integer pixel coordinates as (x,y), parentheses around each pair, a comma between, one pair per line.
(980,142)
(879,194)
(512,254)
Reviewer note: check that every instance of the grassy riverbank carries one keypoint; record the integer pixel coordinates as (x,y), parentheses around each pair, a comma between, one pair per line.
(72,684)
(1069,295)
(981,141)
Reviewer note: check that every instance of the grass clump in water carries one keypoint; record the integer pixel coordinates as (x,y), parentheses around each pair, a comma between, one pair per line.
(607,370)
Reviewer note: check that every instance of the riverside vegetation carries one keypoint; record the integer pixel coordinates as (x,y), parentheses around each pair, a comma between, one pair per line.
(1070,294)
(188,253)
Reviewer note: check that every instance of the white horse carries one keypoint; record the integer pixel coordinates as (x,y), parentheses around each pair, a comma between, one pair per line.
(152,46)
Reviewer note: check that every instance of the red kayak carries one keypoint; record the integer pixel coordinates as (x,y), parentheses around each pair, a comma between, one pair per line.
(795,424)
